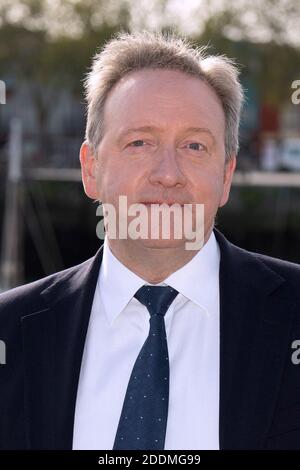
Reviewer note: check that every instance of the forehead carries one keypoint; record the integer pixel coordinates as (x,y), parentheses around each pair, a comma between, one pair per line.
(165,98)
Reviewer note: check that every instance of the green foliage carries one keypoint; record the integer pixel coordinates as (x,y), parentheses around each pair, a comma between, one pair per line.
(32,53)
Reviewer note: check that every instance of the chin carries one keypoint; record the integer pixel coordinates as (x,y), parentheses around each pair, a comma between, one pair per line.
(161,243)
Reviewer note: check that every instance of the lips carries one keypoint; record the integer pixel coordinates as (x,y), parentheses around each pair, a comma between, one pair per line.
(169,203)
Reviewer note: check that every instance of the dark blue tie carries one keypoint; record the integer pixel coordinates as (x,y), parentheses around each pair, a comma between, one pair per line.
(144,415)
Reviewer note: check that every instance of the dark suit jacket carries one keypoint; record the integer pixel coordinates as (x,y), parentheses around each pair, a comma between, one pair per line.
(44,325)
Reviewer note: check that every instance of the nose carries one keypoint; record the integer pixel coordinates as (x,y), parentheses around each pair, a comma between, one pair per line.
(166,170)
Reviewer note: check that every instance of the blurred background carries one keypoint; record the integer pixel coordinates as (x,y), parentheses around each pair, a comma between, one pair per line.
(46,221)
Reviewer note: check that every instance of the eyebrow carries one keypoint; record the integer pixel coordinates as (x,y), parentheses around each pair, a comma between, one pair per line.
(157,129)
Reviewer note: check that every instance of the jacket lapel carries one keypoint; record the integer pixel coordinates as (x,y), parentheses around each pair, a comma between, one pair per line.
(256,314)
(53,341)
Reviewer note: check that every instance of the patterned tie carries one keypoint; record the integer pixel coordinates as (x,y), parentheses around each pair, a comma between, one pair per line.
(143,420)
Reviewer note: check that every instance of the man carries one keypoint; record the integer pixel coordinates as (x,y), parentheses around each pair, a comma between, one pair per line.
(217,367)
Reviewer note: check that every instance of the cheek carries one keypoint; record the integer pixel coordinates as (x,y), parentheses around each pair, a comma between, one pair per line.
(209,186)
(114,181)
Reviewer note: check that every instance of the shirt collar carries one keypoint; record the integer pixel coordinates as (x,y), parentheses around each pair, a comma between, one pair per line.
(198,280)
(117,284)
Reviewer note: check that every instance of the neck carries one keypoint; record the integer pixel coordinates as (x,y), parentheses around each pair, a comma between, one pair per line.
(160,262)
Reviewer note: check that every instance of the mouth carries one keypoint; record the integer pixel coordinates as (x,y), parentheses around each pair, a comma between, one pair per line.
(168,203)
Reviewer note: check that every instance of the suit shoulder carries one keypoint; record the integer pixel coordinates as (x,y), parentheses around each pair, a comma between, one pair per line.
(281,266)
(251,261)
(285,269)
(18,298)
(288,271)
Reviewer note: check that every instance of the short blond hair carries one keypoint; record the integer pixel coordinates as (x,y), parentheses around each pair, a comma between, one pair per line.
(129,52)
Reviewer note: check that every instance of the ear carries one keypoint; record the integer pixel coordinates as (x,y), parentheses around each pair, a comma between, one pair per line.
(89,164)
(228,176)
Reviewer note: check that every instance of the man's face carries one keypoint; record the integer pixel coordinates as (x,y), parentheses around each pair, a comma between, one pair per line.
(163,142)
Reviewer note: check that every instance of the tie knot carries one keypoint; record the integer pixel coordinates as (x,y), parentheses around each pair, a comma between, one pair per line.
(157,299)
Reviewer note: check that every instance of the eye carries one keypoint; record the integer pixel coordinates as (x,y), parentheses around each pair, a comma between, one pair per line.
(137,143)
(197,146)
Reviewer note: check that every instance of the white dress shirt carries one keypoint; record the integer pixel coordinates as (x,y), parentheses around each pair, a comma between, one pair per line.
(118,328)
